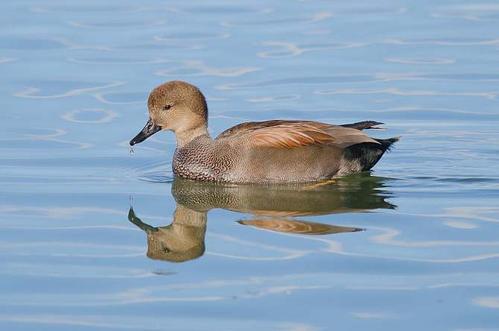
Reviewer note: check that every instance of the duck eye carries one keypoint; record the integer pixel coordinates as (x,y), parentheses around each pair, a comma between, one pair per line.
(166,107)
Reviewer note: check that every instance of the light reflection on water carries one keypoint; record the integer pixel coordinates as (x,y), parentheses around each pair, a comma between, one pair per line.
(75,78)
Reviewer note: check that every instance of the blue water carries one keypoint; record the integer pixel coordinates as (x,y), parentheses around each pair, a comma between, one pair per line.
(74,81)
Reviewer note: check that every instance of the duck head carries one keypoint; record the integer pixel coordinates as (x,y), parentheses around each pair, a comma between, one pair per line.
(176,106)
(180,241)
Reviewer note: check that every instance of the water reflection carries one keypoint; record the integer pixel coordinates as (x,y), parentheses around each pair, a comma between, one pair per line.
(180,241)
(272,208)
(297,226)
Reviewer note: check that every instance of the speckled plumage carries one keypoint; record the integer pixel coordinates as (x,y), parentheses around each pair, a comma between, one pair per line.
(200,160)
(257,152)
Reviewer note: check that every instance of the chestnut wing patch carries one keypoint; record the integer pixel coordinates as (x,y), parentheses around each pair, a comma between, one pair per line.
(292,134)
(289,136)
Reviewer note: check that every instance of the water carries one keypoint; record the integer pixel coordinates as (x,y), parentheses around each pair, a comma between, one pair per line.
(75,77)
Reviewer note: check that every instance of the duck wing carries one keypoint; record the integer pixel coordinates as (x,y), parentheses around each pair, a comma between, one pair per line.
(291,134)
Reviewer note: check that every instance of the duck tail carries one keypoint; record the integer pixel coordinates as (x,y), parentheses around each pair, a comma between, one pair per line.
(363,125)
(365,155)
(387,144)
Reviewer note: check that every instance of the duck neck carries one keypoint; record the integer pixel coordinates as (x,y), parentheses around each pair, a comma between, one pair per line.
(186,136)
(189,217)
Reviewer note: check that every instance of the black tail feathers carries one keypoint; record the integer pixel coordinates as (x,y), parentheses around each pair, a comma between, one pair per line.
(387,144)
(366,155)
(363,125)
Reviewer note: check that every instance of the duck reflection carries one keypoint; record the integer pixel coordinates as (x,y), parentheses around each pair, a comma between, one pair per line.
(273,208)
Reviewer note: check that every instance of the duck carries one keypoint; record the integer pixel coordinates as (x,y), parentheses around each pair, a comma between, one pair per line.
(272,151)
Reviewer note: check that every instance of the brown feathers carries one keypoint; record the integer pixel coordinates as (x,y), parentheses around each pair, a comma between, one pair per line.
(291,134)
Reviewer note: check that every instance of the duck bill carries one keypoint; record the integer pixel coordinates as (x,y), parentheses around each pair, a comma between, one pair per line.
(149,129)
(138,222)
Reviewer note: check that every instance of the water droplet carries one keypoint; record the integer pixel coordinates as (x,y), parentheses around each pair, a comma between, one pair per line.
(131,150)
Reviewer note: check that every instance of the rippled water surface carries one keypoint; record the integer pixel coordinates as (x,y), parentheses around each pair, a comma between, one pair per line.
(412,246)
